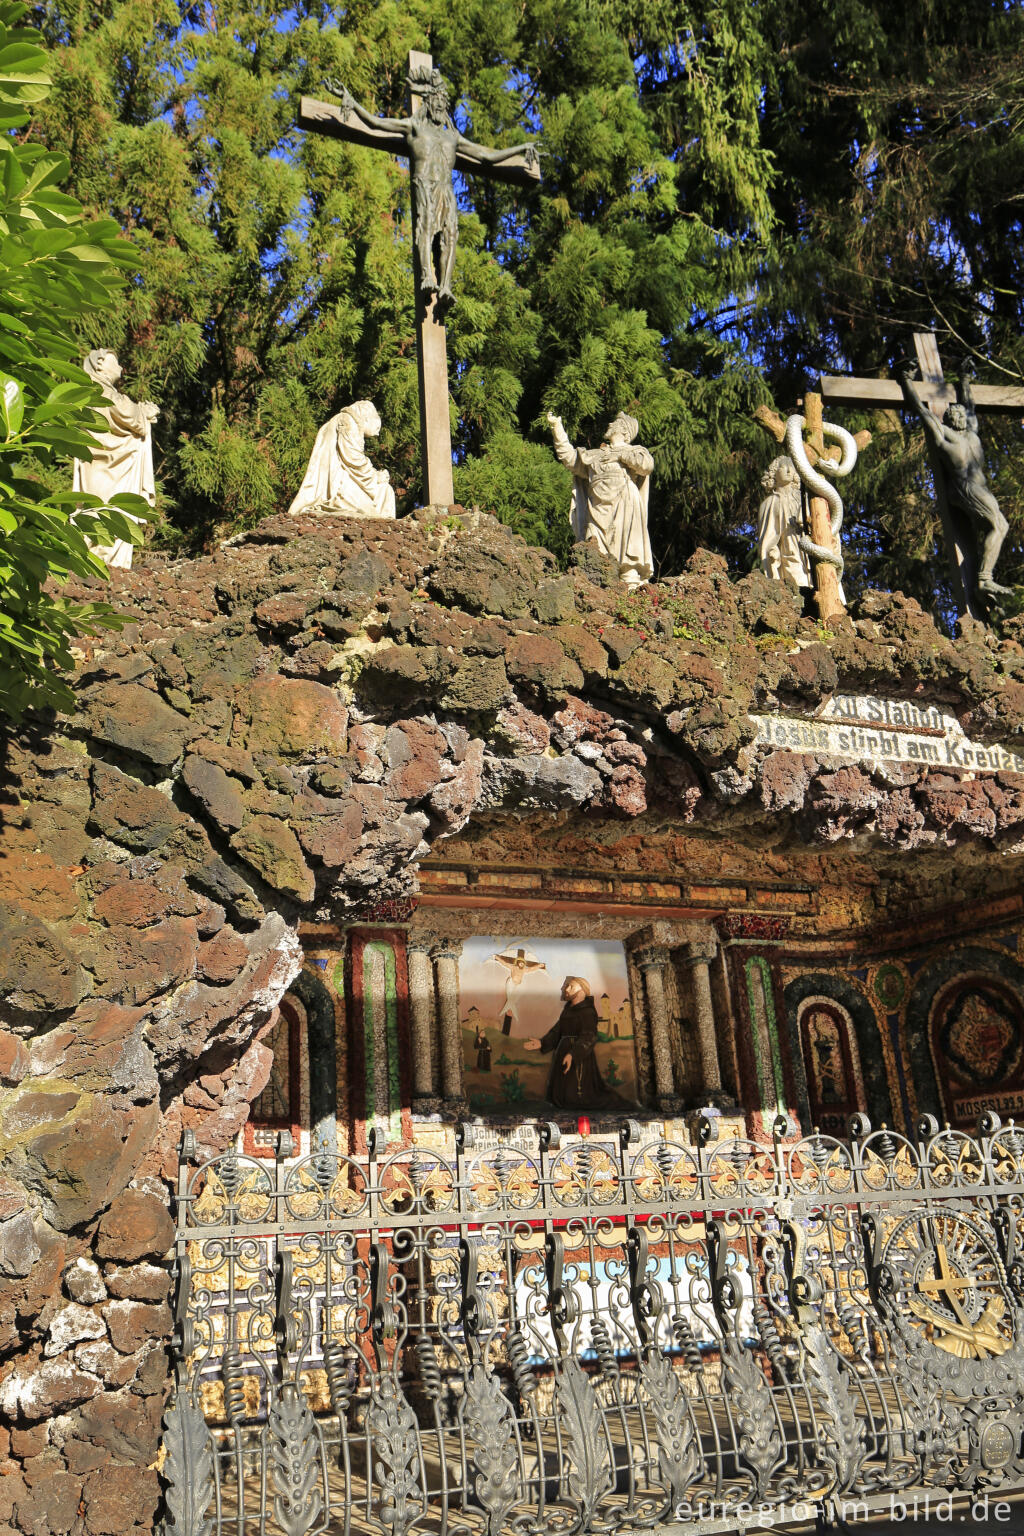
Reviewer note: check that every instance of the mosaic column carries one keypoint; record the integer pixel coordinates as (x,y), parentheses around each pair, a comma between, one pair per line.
(651,963)
(421,1012)
(445,955)
(698,955)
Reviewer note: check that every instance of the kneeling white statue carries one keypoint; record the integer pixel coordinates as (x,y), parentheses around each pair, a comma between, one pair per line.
(610,496)
(340,477)
(123,458)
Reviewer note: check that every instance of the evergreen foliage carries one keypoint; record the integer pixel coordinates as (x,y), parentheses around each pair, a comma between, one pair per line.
(56,267)
(734,197)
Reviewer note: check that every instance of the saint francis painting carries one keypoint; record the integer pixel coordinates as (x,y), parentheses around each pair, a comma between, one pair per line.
(547,1026)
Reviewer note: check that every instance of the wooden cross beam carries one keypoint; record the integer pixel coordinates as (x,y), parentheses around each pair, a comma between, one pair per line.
(887,394)
(435,148)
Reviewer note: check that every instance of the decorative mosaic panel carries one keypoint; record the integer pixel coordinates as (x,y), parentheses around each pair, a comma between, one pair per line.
(978,1043)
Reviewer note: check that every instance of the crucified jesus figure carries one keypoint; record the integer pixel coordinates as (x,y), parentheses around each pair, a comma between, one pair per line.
(433,144)
(966,504)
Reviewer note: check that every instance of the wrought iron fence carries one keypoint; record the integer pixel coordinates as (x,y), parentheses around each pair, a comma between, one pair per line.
(596,1336)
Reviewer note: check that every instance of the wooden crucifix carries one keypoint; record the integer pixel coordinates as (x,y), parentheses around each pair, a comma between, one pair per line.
(972,524)
(435,149)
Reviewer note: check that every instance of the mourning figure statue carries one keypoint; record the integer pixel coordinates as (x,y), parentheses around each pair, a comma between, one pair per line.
(122,460)
(340,477)
(972,522)
(781,539)
(610,494)
(432,144)
(780,524)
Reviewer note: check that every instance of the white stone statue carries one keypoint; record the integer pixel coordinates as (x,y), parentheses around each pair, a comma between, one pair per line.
(779,525)
(340,477)
(610,494)
(123,459)
(781,541)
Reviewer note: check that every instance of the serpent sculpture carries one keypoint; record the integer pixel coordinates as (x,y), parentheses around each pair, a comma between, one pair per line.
(817,485)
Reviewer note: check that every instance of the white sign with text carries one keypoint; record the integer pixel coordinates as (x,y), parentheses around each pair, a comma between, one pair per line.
(864,727)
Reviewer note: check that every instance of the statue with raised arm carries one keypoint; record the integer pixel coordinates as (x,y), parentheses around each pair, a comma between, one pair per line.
(972,522)
(433,143)
(610,494)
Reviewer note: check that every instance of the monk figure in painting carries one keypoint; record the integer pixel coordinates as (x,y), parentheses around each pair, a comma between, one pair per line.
(575,1081)
(483,1050)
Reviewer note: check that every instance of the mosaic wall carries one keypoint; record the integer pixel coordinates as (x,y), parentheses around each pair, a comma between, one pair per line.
(801,1035)
(938,1032)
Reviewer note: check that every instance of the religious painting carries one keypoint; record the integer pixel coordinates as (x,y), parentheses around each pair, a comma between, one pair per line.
(978,1047)
(834,1089)
(547,1026)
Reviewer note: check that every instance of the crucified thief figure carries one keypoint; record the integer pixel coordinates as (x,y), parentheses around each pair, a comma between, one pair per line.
(433,143)
(966,505)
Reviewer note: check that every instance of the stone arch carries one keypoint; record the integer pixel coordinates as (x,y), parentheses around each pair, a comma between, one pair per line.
(318,1019)
(867,1037)
(929,984)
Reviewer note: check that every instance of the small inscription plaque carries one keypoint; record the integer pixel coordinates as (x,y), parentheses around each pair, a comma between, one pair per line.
(864,727)
(1001,1103)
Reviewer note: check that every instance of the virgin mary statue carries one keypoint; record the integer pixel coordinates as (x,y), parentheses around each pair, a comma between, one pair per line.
(340,477)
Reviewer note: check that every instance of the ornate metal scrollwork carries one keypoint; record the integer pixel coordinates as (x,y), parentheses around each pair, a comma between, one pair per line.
(293,1446)
(759,1440)
(590,1466)
(391,1426)
(489,1424)
(583,1338)
(680,1456)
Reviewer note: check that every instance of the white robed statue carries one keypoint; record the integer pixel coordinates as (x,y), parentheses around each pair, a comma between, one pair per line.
(610,494)
(340,477)
(780,528)
(122,460)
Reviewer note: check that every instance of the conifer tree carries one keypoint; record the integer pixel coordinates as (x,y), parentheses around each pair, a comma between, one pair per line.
(733,198)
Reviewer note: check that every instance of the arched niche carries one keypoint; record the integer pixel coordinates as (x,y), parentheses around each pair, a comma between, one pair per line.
(301,1095)
(965,1026)
(852,1014)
